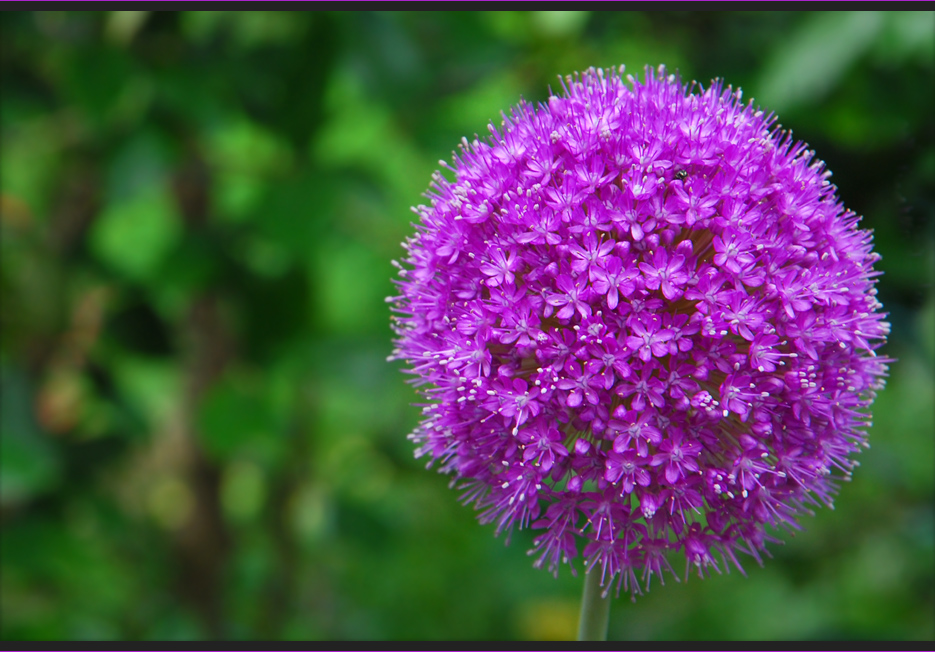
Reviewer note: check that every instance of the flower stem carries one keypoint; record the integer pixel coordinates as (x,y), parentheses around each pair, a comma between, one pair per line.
(595,609)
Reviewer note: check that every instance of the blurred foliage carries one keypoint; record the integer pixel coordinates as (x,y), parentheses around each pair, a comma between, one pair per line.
(200,435)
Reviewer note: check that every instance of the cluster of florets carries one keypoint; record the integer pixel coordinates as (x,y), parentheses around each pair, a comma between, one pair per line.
(644,323)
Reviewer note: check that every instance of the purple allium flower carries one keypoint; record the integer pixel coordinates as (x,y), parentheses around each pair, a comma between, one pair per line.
(644,324)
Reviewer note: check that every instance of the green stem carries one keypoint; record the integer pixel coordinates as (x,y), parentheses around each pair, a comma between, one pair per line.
(595,609)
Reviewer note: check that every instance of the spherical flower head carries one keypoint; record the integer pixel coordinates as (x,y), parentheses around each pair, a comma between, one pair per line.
(644,325)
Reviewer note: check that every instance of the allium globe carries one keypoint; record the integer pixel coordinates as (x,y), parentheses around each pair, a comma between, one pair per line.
(644,324)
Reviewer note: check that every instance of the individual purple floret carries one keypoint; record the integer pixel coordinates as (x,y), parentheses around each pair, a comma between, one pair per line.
(644,325)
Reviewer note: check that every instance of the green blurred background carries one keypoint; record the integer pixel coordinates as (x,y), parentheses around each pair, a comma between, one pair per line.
(201,437)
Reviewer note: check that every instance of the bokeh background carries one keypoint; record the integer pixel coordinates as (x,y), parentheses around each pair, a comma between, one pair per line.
(201,436)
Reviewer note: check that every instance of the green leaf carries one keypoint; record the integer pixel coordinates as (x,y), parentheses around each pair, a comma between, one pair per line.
(351,282)
(811,61)
(134,235)
(242,146)
(906,35)
(235,419)
(29,464)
